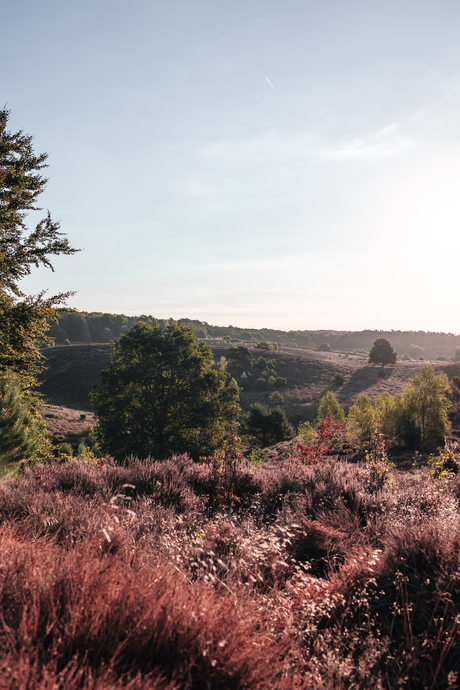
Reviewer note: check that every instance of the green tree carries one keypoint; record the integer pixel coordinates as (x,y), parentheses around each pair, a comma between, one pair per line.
(20,434)
(382,352)
(24,321)
(427,399)
(330,405)
(162,394)
(324,347)
(268,426)
(362,423)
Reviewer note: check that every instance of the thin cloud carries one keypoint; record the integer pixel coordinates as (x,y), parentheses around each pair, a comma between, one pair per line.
(387,142)
(270,83)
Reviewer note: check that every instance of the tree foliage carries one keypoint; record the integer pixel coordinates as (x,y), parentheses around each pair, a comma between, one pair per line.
(382,352)
(427,399)
(20,435)
(162,394)
(330,406)
(268,425)
(24,321)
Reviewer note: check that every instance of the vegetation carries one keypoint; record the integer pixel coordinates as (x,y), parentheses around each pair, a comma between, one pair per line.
(24,319)
(133,577)
(20,433)
(267,426)
(382,352)
(162,394)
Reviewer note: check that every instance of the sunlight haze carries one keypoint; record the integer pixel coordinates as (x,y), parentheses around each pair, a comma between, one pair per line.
(288,165)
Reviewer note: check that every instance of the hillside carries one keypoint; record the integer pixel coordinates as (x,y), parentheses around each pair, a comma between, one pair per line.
(72,371)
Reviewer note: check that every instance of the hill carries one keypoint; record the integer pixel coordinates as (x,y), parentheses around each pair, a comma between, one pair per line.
(72,371)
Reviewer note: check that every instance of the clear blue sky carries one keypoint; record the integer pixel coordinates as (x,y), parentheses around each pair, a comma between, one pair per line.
(195,188)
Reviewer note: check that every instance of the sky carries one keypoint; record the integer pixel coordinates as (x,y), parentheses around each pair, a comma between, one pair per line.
(291,165)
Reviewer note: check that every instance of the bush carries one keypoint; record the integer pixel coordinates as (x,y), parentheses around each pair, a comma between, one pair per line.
(324,347)
(280,382)
(406,357)
(444,464)
(338,380)
(268,426)
(276,398)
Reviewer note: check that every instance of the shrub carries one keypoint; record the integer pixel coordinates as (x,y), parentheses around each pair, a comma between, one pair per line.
(405,357)
(338,380)
(280,382)
(268,426)
(444,464)
(324,347)
(276,398)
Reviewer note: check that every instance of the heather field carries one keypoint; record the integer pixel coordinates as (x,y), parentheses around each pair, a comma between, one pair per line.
(163,575)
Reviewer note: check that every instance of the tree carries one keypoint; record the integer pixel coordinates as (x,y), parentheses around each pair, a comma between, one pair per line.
(268,425)
(330,406)
(24,321)
(162,394)
(427,399)
(324,347)
(382,352)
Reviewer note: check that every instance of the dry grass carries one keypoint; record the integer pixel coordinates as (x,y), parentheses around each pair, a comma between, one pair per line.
(131,577)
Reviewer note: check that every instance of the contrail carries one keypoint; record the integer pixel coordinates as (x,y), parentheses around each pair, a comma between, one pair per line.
(270,83)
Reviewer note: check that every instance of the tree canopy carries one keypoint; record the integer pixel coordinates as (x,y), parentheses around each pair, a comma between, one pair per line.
(162,394)
(24,321)
(382,352)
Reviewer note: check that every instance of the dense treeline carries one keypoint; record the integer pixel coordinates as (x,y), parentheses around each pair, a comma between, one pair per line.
(95,327)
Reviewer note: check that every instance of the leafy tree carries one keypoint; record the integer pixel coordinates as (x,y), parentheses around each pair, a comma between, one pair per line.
(329,405)
(162,394)
(427,399)
(382,352)
(20,435)
(24,321)
(362,423)
(456,355)
(324,347)
(263,345)
(268,425)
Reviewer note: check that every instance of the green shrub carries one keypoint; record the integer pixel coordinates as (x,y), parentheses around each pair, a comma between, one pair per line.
(20,435)
(338,379)
(276,398)
(444,464)
(280,382)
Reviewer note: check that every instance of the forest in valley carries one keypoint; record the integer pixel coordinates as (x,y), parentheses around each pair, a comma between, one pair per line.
(181,542)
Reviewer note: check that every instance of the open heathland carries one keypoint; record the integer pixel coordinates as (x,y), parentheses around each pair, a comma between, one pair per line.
(144,576)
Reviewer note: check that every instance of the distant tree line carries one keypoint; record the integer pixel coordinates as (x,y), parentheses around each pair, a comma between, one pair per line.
(96,327)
